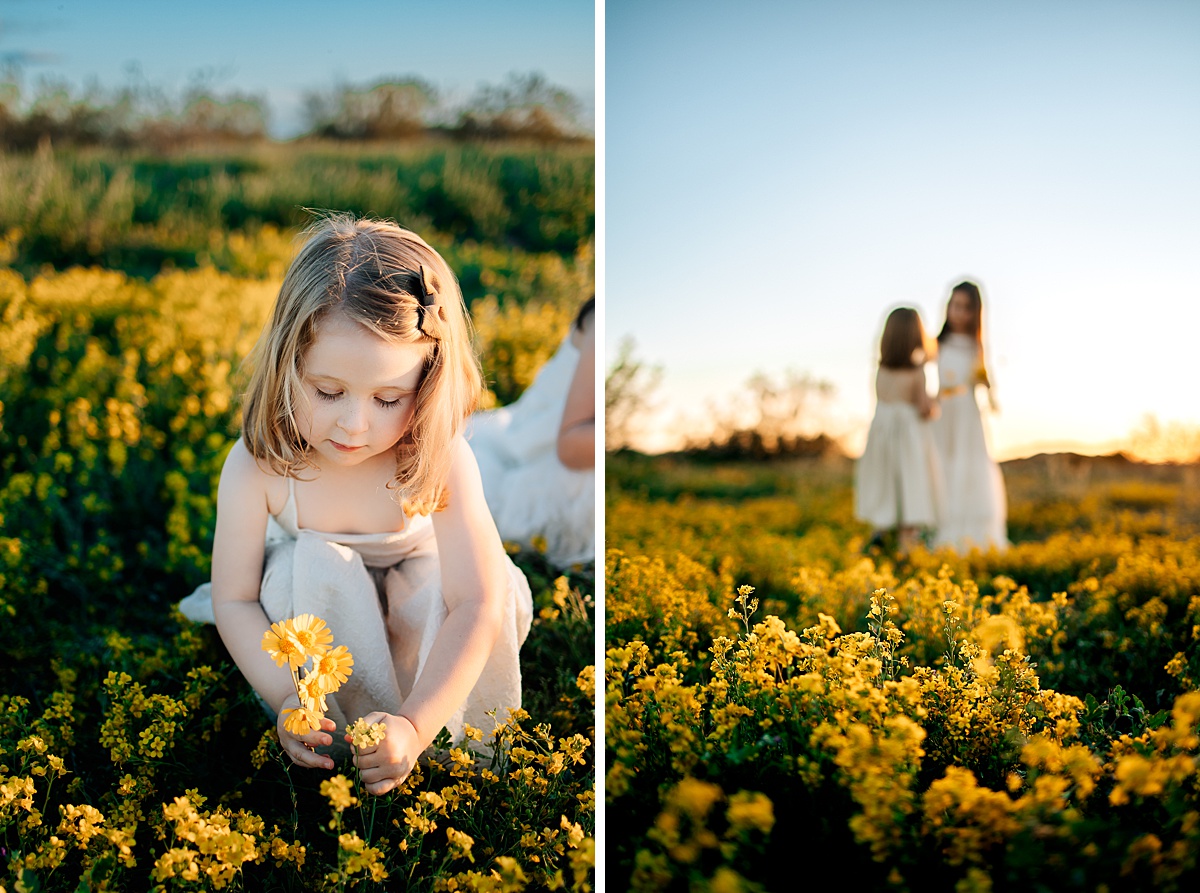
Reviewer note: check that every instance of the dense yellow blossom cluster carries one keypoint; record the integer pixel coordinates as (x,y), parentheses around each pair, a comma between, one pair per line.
(962,722)
(118,401)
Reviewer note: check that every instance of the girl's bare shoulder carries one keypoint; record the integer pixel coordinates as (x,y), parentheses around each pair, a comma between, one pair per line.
(249,477)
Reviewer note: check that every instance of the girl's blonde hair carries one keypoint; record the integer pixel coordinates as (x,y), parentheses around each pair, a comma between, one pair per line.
(904,344)
(392,282)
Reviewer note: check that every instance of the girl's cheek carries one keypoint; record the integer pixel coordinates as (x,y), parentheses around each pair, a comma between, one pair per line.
(406,420)
(307,418)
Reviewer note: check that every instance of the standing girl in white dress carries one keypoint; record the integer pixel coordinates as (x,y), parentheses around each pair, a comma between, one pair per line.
(537,455)
(976,504)
(353,496)
(897,482)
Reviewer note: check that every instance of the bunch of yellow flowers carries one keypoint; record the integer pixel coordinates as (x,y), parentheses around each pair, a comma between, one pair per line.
(296,642)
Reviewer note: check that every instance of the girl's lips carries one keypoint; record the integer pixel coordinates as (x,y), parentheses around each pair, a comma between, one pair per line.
(345,449)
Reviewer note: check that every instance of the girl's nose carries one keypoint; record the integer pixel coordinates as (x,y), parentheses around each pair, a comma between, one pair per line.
(353,419)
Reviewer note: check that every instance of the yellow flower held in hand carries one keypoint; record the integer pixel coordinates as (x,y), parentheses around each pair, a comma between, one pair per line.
(293,642)
(302,721)
(282,646)
(312,690)
(312,634)
(334,666)
(363,736)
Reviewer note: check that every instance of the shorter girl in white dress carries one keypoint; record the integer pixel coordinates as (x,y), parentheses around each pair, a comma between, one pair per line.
(352,495)
(976,504)
(898,483)
(537,454)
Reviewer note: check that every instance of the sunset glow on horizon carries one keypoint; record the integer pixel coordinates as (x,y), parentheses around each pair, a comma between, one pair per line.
(764,214)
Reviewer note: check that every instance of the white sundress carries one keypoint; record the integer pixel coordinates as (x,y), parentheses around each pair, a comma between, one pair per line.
(347,580)
(897,480)
(529,491)
(976,502)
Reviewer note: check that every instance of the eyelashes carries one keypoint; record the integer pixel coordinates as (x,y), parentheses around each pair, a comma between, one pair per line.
(385,404)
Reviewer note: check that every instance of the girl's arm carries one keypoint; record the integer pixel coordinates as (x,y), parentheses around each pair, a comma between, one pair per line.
(238,546)
(577,433)
(927,406)
(475,589)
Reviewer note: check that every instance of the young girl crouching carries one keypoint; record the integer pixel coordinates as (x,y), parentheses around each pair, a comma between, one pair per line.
(352,496)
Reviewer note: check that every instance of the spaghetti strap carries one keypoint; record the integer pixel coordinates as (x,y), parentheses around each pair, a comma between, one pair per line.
(288,518)
(295,510)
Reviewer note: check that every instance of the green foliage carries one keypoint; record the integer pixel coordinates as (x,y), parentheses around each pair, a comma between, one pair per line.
(139,212)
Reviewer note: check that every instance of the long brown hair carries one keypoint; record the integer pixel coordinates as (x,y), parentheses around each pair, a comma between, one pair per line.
(390,281)
(903,340)
(971,290)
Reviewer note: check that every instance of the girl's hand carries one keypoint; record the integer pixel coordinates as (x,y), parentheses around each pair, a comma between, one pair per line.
(300,747)
(388,763)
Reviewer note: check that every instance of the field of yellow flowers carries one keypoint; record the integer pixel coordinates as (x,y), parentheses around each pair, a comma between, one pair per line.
(133,756)
(782,703)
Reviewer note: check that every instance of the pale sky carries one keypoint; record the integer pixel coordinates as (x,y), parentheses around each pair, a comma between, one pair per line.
(781,174)
(282,49)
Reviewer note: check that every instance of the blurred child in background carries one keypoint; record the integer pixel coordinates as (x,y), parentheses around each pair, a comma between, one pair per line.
(537,455)
(976,503)
(898,482)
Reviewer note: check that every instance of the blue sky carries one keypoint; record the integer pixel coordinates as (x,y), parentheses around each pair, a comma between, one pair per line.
(781,174)
(282,50)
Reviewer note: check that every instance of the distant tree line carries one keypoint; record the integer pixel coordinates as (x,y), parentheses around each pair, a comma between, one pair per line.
(525,107)
(769,419)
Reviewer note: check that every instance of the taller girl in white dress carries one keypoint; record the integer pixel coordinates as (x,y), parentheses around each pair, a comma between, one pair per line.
(898,484)
(976,505)
(537,454)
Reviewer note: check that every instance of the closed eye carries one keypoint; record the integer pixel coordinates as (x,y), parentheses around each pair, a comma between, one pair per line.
(385,404)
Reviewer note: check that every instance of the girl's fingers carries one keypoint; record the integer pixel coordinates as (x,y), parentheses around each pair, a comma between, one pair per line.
(388,776)
(302,756)
(316,739)
(301,749)
(380,788)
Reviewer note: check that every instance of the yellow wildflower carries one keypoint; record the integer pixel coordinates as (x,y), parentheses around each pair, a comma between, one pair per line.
(337,790)
(312,692)
(586,681)
(363,735)
(333,667)
(750,809)
(282,646)
(311,634)
(301,721)
(460,844)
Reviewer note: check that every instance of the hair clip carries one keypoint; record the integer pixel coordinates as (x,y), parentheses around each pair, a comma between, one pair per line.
(427,291)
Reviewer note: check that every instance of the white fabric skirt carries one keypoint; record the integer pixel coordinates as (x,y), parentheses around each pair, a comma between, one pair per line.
(898,478)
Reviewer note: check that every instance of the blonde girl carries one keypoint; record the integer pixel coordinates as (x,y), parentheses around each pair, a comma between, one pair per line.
(352,495)
(898,483)
(976,503)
